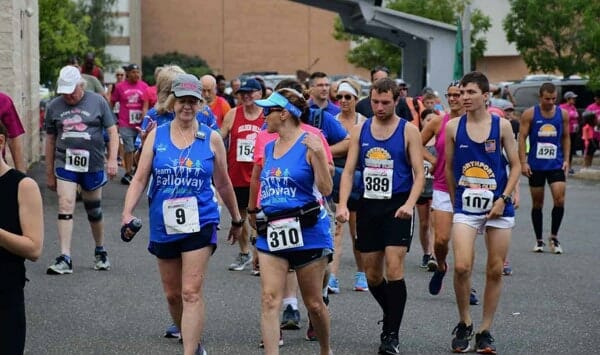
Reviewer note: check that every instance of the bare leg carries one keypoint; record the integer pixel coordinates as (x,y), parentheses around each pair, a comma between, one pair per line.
(463,244)
(66,192)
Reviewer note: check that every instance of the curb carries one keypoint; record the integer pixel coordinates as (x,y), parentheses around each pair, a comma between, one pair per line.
(587,174)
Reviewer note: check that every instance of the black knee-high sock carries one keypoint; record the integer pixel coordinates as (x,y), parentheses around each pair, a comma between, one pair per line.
(536,219)
(395,296)
(378,292)
(557,216)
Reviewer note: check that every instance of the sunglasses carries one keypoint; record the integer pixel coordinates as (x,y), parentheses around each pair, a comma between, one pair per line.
(453,96)
(268,110)
(346,97)
(403,88)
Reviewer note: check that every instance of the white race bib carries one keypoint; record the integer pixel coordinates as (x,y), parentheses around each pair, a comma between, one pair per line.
(378,183)
(245,150)
(135,116)
(77,160)
(477,200)
(180,215)
(284,234)
(546,151)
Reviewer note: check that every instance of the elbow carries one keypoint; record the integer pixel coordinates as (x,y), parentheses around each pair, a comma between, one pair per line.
(34,254)
(326,187)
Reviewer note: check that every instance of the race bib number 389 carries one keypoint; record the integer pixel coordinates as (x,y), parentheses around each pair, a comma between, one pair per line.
(180,215)
(378,183)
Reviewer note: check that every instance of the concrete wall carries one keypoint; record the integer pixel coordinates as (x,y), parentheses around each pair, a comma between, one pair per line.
(19,67)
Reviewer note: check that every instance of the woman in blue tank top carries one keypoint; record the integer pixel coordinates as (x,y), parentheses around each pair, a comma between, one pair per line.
(294,178)
(183,157)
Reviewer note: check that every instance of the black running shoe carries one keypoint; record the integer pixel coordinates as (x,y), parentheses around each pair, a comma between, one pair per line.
(462,337)
(485,343)
(389,343)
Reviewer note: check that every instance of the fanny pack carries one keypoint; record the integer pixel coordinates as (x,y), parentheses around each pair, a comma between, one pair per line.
(308,216)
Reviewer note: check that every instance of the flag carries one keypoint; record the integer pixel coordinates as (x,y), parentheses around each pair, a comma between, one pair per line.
(458,52)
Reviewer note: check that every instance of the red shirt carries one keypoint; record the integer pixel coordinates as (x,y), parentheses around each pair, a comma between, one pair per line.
(242,139)
(219,108)
(10,117)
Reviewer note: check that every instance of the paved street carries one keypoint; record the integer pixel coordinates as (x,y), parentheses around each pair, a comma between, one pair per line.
(549,306)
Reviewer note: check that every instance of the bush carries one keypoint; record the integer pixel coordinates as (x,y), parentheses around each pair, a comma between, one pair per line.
(191,64)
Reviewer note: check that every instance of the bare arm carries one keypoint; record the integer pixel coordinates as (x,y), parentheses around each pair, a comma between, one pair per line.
(31,215)
(565,140)
(140,179)
(318,161)
(414,149)
(347,178)
(449,149)
(113,147)
(524,128)
(254,186)
(49,151)
(15,145)
(228,122)
(510,147)
(340,149)
(429,131)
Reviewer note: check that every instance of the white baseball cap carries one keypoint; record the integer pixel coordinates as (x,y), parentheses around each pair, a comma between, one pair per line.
(68,79)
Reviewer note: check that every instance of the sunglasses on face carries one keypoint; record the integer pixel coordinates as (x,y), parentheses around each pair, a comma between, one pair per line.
(453,96)
(346,97)
(268,110)
(403,88)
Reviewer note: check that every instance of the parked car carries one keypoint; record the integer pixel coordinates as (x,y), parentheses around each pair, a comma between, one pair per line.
(526,92)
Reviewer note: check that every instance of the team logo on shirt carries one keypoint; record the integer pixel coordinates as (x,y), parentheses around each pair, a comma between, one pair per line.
(378,157)
(275,182)
(547,130)
(476,174)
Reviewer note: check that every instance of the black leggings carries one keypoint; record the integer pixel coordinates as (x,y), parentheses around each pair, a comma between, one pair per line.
(12,321)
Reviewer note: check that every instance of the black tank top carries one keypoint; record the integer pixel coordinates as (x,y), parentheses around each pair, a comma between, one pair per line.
(12,267)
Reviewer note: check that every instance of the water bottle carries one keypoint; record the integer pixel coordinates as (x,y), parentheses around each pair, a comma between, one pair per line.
(133,226)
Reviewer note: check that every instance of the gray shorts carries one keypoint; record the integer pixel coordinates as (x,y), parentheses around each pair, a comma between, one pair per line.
(128,136)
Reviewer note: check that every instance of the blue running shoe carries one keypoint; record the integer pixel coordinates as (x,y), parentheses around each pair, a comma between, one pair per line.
(473,301)
(435,285)
(360,282)
(290,318)
(333,286)
(173,332)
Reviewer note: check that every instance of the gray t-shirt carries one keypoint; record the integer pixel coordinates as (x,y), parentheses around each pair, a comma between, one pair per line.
(79,131)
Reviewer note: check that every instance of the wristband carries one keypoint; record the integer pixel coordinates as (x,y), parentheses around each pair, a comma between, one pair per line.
(254,211)
(239,223)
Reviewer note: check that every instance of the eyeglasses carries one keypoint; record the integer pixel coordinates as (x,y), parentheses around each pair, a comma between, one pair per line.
(346,97)
(188,101)
(453,96)
(403,88)
(268,110)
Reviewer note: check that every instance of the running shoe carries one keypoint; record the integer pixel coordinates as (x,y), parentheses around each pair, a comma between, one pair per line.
(290,319)
(200,350)
(389,343)
(555,246)
(360,282)
(256,270)
(539,246)
(61,266)
(473,301)
(462,337)
(424,261)
(311,335)
(432,264)
(262,344)
(333,285)
(571,171)
(173,332)
(485,343)
(507,269)
(435,285)
(101,261)
(241,261)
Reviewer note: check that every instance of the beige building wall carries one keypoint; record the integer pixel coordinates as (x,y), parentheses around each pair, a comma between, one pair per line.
(503,68)
(19,67)
(236,36)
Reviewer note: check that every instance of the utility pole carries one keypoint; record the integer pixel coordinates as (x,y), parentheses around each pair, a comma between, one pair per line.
(466,24)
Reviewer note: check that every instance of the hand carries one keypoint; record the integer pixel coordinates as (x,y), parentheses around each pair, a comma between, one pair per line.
(516,200)
(404,212)
(112,168)
(525,170)
(51,182)
(342,214)
(234,234)
(312,142)
(497,209)
(565,167)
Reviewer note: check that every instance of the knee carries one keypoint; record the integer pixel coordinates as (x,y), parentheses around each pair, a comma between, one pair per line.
(191,295)
(270,301)
(93,208)
(66,204)
(494,272)
(173,298)
(314,306)
(559,201)
(462,269)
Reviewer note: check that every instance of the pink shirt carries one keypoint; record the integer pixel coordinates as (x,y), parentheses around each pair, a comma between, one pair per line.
(573,116)
(131,99)
(439,177)
(10,117)
(596,109)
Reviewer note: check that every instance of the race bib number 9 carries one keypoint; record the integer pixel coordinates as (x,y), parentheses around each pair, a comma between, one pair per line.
(77,160)
(135,117)
(378,183)
(546,151)
(180,215)
(284,234)
(245,150)
(477,200)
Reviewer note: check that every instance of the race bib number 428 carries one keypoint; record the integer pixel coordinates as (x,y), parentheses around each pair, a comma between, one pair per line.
(546,151)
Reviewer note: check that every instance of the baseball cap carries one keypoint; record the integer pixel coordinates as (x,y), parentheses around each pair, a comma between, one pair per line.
(278,100)
(250,85)
(131,67)
(508,106)
(68,79)
(187,85)
(569,95)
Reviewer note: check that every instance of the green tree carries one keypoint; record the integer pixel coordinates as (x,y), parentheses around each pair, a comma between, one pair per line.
(62,34)
(556,35)
(102,25)
(370,52)
(191,64)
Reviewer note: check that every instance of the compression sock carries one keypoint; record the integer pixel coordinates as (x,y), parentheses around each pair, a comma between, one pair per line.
(395,296)
(536,219)
(378,293)
(557,216)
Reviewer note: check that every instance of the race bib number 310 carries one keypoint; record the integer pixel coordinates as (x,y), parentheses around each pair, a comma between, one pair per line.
(180,215)
(284,234)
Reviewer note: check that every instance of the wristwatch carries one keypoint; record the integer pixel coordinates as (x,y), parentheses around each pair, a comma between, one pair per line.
(239,223)
(507,198)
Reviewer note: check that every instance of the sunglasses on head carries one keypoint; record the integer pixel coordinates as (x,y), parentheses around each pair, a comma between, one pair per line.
(268,110)
(346,97)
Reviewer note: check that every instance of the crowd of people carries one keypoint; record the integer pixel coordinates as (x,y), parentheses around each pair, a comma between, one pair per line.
(292,164)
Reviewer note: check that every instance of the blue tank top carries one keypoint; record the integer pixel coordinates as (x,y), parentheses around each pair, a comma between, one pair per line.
(479,170)
(288,182)
(179,174)
(545,152)
(383,155)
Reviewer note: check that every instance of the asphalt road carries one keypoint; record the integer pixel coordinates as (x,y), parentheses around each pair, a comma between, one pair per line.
(549,306)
